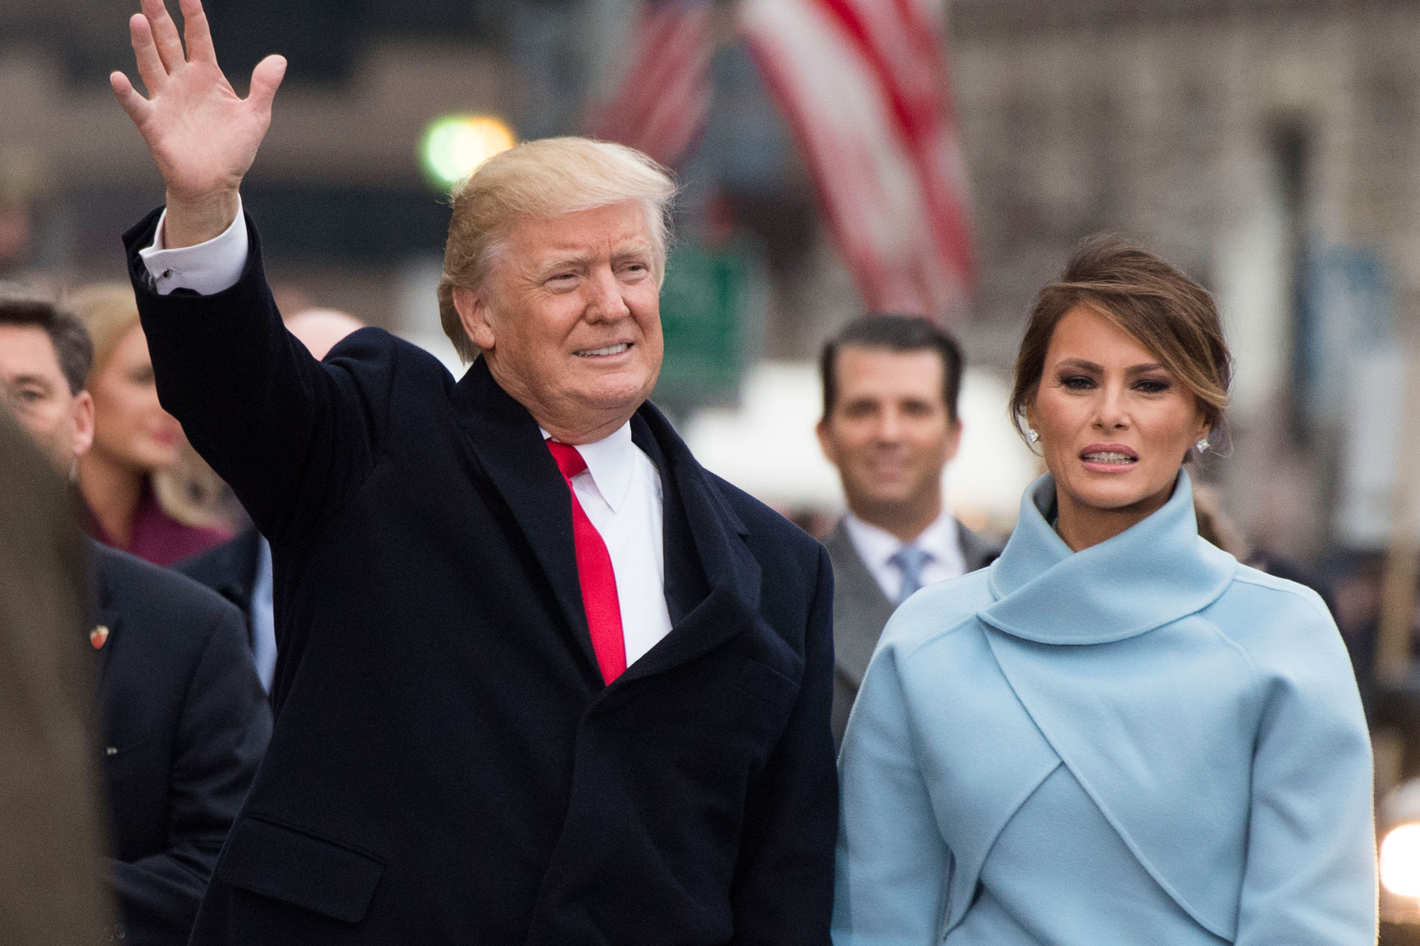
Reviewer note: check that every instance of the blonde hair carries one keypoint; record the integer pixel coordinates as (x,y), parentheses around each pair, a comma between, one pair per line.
(108,312)
(189,491)
(548,177)
(1215,525)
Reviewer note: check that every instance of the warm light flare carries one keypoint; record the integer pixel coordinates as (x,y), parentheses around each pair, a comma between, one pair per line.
(1400,860)
(453,146)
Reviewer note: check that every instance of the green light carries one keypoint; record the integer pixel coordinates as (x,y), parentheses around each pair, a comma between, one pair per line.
(454,145)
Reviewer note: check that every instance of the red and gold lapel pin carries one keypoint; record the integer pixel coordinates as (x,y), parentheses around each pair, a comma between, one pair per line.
(99,636)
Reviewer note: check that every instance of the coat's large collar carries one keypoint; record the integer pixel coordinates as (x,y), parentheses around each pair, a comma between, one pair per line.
(1150,574)
(506,441)
(1153,577)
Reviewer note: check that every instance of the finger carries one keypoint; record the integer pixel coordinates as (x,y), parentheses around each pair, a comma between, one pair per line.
(165,34)
(197,32)
(134,104)
(145,53)
(265,80)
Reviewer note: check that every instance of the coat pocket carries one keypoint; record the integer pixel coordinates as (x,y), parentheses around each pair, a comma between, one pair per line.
(295,867)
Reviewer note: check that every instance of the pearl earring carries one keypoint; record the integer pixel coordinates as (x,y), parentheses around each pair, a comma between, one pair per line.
(1032,435)
(1203,445)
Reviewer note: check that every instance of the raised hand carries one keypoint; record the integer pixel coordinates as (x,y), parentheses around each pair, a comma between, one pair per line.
(201,134)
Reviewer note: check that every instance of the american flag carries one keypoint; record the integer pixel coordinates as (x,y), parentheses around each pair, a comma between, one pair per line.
(660,101)
(864,86)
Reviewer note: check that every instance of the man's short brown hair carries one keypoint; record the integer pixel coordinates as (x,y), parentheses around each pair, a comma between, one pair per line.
(24,306)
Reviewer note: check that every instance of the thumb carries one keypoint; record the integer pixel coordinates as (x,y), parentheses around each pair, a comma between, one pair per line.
(134,104)
(265,80)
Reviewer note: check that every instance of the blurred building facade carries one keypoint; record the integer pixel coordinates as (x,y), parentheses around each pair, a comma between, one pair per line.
(1267,146)
(1264,145)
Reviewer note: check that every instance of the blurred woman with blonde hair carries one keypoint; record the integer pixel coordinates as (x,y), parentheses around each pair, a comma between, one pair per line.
(146,491)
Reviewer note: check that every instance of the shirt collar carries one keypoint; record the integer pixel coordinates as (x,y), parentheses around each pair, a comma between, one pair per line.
(610,463)
(876,544)
(941,539)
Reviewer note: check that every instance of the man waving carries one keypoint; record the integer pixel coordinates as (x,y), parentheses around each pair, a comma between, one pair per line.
(542,678)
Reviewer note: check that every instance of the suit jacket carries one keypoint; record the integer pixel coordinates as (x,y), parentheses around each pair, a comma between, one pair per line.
(860,609)
(183,724)
(447,766)
(1181,727)
(229,569)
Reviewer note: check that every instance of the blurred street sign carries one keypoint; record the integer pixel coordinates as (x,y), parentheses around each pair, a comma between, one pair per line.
(1359,368)
(1345,318)
(708,303)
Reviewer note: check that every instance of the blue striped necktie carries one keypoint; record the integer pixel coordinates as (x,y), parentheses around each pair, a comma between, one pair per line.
(909,560)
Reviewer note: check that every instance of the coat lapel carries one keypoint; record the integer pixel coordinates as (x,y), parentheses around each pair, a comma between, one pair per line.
(105,616)
(704,524)
(976,552)
(508,446)
(716,532)
(239,566)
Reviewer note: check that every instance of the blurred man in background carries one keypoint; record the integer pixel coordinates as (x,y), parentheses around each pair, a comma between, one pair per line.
(543,679)
(890,426)
(182,718)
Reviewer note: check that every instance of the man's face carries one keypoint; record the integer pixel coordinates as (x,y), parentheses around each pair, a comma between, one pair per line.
(569,319)
(888,432)
(36,393)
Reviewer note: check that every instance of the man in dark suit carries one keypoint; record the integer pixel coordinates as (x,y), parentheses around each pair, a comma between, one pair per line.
(240,571)
(182,719)
(183,726)
(890,426)
(542,679)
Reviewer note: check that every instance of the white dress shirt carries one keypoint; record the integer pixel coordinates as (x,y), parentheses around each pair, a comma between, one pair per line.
(620,490)
(262,613)
(205,268)
(875,546)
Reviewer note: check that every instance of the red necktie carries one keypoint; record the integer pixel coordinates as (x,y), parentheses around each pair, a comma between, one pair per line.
(594,572)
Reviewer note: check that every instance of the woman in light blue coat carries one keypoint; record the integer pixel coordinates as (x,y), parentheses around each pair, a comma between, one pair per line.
(1116,734)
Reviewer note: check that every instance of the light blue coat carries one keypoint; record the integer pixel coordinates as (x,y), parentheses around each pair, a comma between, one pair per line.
(1142,742)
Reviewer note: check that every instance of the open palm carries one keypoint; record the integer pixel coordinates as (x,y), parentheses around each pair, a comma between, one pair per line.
(201,134)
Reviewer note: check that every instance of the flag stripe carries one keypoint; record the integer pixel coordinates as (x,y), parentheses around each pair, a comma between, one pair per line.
(864,91)
(915,107)
(662,100)
(869,198)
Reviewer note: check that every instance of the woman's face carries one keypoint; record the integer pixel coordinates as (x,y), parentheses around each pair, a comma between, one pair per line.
(130,428)
(1114,426)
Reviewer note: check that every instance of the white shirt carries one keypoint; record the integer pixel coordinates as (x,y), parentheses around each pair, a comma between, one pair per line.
(620,490)
(875,546)
(205,268)
(263,616)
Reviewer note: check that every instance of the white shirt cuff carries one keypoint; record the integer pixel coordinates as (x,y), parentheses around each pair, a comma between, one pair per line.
(205,268)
